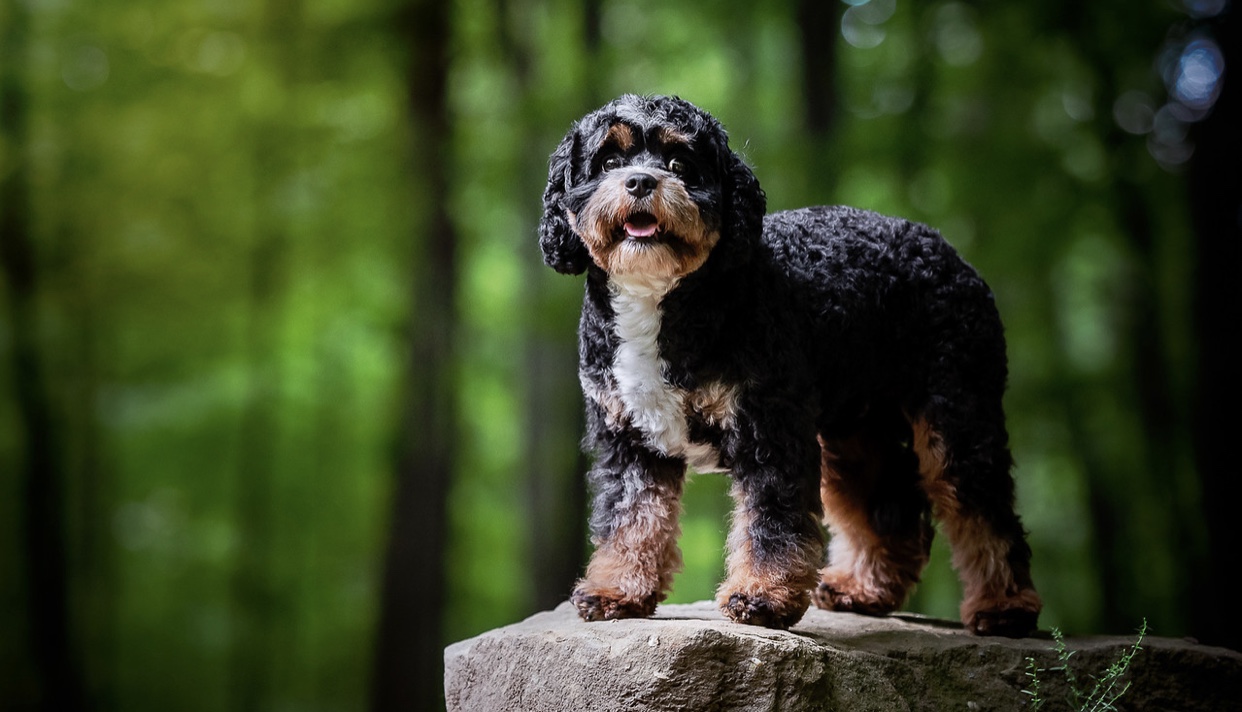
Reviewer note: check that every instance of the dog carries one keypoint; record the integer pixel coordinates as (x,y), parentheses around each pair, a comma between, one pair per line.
(844,368)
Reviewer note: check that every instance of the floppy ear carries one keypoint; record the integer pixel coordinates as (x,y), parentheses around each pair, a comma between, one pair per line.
(745,202)
(744,205)
(563,250)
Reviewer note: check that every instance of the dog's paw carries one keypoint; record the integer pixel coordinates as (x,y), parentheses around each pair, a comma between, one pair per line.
(830,599)
(843,593)
(596,605)
(1010,623)
(1014,617)
(763,611)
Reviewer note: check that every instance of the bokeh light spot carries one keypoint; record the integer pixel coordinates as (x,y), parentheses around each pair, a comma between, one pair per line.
(1197,82)
(857,31)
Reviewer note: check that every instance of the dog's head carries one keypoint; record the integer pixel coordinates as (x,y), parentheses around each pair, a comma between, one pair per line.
(647,186)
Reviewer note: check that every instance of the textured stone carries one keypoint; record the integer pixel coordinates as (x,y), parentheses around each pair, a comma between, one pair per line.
(689,658)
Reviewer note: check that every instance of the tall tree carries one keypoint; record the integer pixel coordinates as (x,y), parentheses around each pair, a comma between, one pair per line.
(1118,489)
(819,24)
(42,471)
(1146,373)
(1216,204)
(409,653)
(552,416)
(256,598)
(818,21)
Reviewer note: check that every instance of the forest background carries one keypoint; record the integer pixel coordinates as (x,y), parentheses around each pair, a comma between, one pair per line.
(288,401)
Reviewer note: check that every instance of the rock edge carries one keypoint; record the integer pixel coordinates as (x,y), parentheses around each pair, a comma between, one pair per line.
(687,657)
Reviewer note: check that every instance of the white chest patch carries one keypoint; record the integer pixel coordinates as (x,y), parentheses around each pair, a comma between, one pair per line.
(653,405)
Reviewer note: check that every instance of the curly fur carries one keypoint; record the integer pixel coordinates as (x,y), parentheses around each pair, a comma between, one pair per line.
(840,365)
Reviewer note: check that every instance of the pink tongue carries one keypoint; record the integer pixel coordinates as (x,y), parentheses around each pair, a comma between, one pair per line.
(640,231)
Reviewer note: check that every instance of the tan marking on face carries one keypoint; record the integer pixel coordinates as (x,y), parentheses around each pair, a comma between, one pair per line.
(668,136)
(681,247)
(621,136)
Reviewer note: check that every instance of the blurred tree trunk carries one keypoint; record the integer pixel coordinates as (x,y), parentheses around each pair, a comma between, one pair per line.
(820,27)
(554,465)
(256,600)
(1118,489)
(1216,202)
(409,653)
(58,684)
(819,21)
(253,596)
(95,571)
(552,423)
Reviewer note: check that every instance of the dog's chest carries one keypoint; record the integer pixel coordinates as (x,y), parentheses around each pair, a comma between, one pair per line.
(645,397)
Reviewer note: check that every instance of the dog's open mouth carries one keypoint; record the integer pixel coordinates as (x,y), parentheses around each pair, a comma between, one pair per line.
(641,226)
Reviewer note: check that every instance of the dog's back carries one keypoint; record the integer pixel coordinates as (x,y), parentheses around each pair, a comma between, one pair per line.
(886,300)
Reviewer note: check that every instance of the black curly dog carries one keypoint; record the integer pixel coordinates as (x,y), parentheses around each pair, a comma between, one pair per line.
(841,365)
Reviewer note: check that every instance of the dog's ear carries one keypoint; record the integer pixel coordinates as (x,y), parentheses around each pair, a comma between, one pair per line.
(744,205)
(745,201)
(563,250)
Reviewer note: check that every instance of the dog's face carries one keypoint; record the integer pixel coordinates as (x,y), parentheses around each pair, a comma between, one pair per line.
(647,187)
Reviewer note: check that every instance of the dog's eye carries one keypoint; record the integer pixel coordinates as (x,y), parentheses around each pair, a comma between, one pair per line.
(678,165)
(612,162)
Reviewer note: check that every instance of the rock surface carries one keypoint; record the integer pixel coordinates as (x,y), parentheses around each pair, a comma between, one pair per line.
(689,658)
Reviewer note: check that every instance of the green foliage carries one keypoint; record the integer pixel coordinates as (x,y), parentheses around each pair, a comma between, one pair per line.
(225,220)
(1107,688)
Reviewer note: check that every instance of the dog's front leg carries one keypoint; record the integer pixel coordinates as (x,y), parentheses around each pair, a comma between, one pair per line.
(634,527)
(775,543)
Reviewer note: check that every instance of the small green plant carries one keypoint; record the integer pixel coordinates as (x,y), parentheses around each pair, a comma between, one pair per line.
(1108,688)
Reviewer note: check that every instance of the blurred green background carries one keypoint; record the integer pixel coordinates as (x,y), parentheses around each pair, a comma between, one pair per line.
(288,401)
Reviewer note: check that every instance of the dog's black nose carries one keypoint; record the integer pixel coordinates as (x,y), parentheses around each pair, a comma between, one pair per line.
(640,185)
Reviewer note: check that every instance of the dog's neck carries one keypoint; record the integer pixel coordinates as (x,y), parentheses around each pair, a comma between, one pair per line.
(641,286)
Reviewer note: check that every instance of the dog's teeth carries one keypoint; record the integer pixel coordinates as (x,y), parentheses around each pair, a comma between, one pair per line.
(640,231)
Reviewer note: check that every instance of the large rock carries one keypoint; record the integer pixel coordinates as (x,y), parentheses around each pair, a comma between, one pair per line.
(689,658)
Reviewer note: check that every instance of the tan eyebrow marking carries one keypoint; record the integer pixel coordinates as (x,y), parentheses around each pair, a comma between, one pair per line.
(668,136)
(621,135)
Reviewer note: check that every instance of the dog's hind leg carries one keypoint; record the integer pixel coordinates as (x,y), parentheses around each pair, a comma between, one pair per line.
(964,466)
(877,515)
